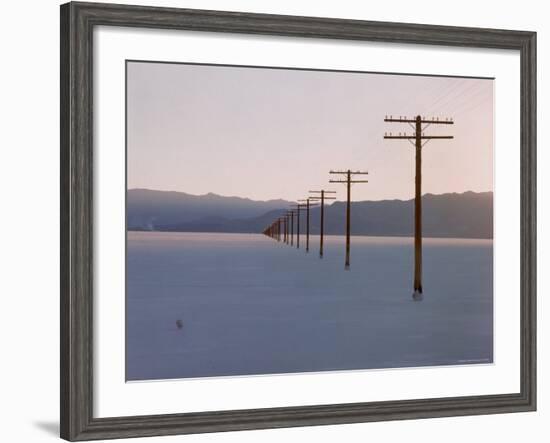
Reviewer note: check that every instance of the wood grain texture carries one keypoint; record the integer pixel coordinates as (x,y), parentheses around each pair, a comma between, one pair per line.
(77,23)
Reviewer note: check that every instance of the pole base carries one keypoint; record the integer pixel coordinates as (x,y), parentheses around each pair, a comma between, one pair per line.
(417,295)
(346,267)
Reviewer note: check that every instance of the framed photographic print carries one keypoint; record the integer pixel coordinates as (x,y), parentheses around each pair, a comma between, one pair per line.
(273,221)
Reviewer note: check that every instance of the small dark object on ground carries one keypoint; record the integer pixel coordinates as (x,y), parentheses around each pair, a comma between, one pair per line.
(179,324)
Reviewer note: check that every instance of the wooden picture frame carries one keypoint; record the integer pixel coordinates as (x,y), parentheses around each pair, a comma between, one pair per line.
(77,23)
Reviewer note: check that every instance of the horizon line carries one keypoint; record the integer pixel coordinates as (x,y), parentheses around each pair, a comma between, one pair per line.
(311,235)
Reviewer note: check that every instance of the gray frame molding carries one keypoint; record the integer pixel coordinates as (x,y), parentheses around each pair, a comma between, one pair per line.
(77,23)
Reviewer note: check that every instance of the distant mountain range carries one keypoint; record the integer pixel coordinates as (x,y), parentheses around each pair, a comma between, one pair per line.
(148,209)
(464,215)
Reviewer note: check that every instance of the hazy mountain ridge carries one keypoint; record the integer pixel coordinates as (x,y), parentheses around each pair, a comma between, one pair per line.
(148,209)
(460,215)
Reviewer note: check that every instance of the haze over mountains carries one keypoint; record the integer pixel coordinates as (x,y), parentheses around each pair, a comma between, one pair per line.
(464,215)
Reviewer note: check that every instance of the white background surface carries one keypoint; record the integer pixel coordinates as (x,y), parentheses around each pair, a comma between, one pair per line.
(29,226)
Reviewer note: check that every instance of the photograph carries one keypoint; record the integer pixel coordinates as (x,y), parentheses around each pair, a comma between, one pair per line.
(286,220)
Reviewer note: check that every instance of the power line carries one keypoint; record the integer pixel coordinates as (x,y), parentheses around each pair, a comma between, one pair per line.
(291,215)
(322,197)
(418,137)
(348,181)
(298,208)
(309,205)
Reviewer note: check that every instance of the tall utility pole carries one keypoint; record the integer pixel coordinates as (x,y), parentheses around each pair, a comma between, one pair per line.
(348,181)
(322,197)
(287,227)
(291,213)
(274,230)
(418,137)
(279,221)
(309,205)
(298,208)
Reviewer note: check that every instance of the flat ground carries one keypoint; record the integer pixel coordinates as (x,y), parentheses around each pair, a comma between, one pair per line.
(234,304)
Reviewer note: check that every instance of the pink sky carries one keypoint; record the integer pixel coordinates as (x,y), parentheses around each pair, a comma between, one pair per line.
(267,133)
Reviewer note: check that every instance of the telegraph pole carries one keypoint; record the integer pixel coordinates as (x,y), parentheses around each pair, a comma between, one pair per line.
(308,206)
(292,228)
(348,181)
(298,208)
(279,220)
(322,198)
(418,137)
(287,227)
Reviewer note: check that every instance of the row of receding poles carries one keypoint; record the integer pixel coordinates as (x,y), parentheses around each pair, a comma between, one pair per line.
(279,229)
(420,139)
